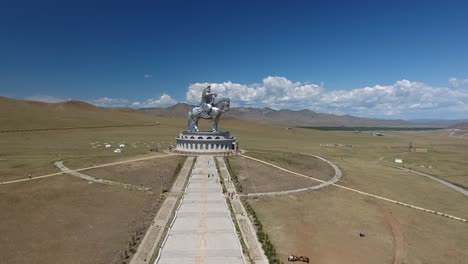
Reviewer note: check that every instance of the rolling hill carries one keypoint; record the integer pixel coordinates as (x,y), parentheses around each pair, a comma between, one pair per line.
(22,114)
(179,110)
(462,126)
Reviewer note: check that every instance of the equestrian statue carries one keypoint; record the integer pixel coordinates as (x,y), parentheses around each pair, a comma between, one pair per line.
(208,109)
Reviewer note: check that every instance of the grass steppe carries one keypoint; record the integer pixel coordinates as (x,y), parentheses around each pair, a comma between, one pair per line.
(297,162)
(35,152)
(325,224)
(256,177)
(64,219)
(322,224)
(141,173)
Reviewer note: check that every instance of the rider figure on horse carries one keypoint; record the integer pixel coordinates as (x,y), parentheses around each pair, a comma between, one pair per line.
(207,110)
(207,101)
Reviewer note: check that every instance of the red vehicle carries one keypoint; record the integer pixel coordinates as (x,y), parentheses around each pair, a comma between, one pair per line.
(293,258)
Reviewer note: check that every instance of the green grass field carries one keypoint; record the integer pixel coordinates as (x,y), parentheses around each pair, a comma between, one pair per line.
(324,224)
(321,224)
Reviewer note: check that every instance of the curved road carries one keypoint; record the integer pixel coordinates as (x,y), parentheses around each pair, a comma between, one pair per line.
(87,168)
(448,184)
(347,188)
(59,164)
(322,184)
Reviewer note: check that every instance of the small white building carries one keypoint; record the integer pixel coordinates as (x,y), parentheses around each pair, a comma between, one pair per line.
(398,161)
(117,150)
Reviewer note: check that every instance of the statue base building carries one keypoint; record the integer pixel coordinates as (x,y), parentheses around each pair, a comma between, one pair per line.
(194,141)
(206,142)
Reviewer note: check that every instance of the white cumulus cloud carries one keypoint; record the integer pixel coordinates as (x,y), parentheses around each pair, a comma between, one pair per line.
(164,101)
(45,99)
(458,82)
(275,92)
(403,99)
(109,102)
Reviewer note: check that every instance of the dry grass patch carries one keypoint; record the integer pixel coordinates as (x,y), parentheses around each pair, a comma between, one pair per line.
(325,226)
(300,163)
(402,186)
(431,239)
(65,219)
(256,177)
(35,152)
(145,173)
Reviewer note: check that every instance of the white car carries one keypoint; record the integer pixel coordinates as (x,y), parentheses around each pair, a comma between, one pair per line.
(122,145)
(117,150)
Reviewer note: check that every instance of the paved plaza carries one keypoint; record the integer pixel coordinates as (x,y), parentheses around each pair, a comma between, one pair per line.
(203,231)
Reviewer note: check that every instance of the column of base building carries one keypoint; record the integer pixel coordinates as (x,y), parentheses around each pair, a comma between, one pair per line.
(205,147)
(206,142)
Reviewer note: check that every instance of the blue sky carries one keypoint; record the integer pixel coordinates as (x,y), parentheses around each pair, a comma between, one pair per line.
(392,59)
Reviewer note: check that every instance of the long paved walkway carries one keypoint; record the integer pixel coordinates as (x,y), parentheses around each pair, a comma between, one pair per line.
(245,225)
(202,230)
(154,235)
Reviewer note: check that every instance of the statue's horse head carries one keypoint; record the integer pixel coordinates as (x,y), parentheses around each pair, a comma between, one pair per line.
(223,104)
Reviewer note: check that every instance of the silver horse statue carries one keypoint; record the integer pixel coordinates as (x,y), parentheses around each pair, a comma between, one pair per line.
(208,109)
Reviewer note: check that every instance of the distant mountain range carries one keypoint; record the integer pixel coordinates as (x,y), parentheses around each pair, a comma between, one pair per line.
(26,114)
(463,126)
(300,117)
